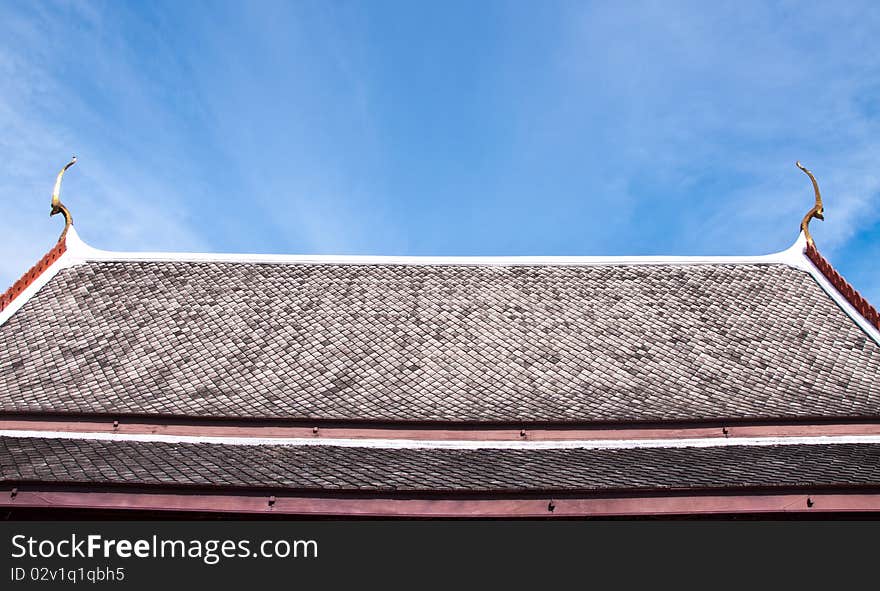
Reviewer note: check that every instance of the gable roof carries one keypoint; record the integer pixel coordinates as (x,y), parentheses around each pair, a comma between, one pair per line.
(573,339)
(500,386)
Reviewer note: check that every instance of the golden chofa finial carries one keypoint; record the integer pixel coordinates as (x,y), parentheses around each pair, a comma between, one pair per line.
(57,206)
(817,211)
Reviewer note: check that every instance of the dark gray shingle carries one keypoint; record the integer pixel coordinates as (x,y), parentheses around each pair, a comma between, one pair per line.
(452,470)
(437,343)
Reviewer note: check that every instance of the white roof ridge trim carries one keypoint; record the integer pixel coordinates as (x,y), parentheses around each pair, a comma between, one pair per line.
(82,252)
(701,442)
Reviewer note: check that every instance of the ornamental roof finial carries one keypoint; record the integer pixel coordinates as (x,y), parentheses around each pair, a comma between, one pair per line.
(57,206)
(816,212)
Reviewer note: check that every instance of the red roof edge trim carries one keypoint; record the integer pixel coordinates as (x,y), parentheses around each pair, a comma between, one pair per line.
(862,305)
(28,278)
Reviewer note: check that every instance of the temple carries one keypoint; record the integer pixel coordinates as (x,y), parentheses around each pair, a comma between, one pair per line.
(213,384)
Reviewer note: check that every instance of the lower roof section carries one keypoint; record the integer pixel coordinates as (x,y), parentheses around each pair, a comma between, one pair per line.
(375,470)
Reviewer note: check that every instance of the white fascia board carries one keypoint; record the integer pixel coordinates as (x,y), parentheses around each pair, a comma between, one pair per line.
(453,444)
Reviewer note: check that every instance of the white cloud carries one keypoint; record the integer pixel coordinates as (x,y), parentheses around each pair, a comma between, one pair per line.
(656,127)
(710,106)
(114,200)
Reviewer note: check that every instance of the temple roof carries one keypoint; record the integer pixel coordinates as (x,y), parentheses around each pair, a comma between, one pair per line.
(463,340)
(408,386)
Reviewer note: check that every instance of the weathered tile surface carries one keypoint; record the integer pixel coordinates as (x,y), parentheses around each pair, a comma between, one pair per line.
(444,343)
(454,470)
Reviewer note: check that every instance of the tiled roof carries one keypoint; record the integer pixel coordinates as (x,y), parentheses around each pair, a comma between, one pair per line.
(486,343)
(327,468)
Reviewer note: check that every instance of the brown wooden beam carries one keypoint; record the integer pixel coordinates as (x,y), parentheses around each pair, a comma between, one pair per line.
(501,507)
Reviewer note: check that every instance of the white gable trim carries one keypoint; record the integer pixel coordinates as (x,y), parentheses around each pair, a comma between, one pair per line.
(453,444)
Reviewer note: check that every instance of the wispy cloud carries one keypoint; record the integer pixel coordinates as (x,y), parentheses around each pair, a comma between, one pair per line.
(116,197)
(705,109)
(674,127)
(588,128)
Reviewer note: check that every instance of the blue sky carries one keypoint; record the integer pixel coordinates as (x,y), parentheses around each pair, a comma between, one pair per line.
(445,128)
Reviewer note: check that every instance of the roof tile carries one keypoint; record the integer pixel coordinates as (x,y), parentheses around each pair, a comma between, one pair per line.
(437,343)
